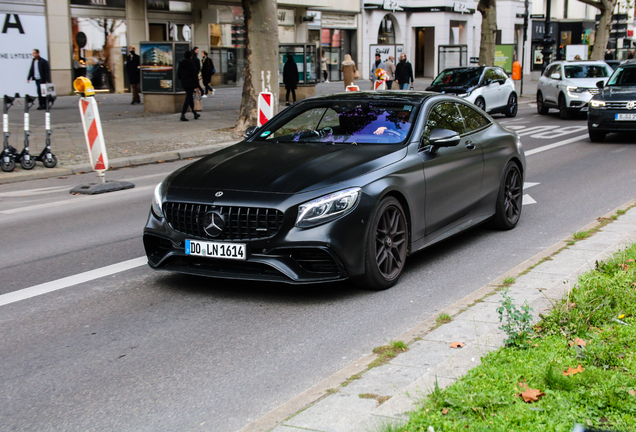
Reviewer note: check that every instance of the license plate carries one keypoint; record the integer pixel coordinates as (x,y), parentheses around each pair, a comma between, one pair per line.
(628,117)
(215,249)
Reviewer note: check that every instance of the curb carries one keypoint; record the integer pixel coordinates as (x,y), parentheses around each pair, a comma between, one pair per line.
(310,397)
(187,153)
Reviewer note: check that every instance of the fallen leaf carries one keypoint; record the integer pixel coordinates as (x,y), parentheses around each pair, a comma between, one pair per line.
(624,267)
(457,345)
(631,260)
(445,411)
(531,395)
(632,392)
(571,371)
(580,342)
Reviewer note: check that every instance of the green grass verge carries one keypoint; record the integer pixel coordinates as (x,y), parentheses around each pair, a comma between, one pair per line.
(594,326)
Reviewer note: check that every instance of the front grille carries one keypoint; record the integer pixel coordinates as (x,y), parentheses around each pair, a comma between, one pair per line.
(616,105)
(618,125)
(241,223)
(315,260)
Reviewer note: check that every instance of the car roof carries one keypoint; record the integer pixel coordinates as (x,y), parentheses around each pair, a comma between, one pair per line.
(578,62)
(385,95)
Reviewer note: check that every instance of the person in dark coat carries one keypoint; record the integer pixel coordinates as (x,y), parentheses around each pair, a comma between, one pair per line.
(197,65)
(404,73)
(189,81)
(41,73)
(207,70)
(134,75)
(290,78)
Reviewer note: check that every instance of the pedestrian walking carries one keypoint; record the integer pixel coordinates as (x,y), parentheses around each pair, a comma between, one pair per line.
(290,78)
(390,71)
(197,66)
(323,67)
(349,71)
(404,73)
(134,75)
(41,73)
(189,81)
(207,70)
(377,64)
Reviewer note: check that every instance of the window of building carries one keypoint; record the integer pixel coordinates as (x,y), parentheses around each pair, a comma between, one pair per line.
(386,33)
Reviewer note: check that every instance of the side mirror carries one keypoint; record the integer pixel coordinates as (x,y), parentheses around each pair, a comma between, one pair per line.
(501,81)
(555,76)
(600,84)
(249,131)
(444,138)
(486,82)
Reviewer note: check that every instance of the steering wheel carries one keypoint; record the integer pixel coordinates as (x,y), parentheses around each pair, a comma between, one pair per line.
(392,133)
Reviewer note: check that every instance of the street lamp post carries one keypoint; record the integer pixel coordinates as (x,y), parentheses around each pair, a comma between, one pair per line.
(547,37)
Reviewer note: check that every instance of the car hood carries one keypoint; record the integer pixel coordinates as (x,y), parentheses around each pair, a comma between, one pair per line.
(284,167)
(585,82)
(450,89)
(618,93)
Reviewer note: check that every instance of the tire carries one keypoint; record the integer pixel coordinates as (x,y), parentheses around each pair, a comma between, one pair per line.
(50,163)
(596,136)
(509,198)
(386,246)
(481,104)
(7,166)
(513,106)
(541,108)
(27,164)
(563,108)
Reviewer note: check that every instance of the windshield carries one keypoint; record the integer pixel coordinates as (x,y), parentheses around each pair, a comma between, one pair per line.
(623,76)
(350,122)
(587,71)
(468,77)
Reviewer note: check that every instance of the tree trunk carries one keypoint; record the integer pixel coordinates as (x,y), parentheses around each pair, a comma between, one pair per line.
(606,7)
(261,58)
(488,10)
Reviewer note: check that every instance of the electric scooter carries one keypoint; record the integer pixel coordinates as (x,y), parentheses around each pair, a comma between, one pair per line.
(26,160)
(47,158)
(9,153)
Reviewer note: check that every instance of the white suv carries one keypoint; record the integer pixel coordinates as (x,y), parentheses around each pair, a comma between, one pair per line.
(569,85)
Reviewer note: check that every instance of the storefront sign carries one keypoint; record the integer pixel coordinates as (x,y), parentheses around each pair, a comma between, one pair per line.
(391,5)
(385,52)
(169,5)
(503,56)
(157,67)
(340,21)
(317,16)
(121,4)
(460,7)
(285,17)
(19,34)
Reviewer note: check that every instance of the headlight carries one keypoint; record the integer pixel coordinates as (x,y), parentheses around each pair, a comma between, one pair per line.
(597,104)
(574,91)
(156,202)
(463,95)
(327,208)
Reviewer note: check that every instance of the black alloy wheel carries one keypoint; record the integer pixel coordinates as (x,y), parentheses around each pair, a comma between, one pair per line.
(541,108)
(563,108)
(387,246)
(596,136)
(510,198)
(481,104)
(511,109)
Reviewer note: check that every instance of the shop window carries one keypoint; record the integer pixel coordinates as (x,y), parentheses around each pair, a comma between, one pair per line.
(99,51)
(386,33)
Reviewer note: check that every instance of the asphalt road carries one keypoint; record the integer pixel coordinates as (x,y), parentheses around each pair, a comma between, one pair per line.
(146,351)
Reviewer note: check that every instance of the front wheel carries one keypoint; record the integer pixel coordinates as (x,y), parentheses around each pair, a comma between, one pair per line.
(563,108)
(7,164)
(386,246)
(509,198)
(49,163)
(27,164)
(511,108)
(481,104)
(596,136)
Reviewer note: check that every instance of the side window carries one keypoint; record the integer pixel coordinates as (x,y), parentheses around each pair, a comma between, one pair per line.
(490,75)
(472,119)
(501,74)
(548,71)
(444,116)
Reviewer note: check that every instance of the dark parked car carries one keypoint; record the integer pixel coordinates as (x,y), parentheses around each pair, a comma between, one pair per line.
(338,187)
(614,108)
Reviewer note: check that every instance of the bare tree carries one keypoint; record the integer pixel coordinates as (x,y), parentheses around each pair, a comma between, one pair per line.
(604,27)
(261,58)
(488,10)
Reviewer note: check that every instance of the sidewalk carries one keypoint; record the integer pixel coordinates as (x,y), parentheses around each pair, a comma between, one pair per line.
(360,400)
(135,137)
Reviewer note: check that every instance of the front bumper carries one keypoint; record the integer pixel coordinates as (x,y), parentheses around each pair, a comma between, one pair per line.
(599,120)
(330,252)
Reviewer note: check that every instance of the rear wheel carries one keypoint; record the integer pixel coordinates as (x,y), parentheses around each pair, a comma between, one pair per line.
(596,136)
(7,164)
(563,108)
(481,104)
(511,108)
(27,164)
(509,198)
(50,163)
(386,248)
(541,108)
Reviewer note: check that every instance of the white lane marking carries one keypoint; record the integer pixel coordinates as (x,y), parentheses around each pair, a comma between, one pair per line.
(560,132)
(527,199)
(82,199)
(31,192)
(528,185)
(522,131)
(555,145)
(66,282)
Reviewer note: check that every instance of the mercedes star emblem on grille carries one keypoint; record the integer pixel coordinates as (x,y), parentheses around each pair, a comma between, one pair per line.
(213,223)
(631,105)
(218,194)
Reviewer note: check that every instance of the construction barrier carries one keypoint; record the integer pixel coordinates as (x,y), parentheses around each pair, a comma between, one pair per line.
(352,87)
(265,108)
(93,134)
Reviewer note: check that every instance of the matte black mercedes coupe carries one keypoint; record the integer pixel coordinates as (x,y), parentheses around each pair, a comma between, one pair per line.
(338,187)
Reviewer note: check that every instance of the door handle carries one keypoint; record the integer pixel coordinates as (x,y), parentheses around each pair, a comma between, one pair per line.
(469,145)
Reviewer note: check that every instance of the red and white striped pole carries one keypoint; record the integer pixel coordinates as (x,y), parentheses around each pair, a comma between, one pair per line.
(94,135)
(265,108)
(352,87)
